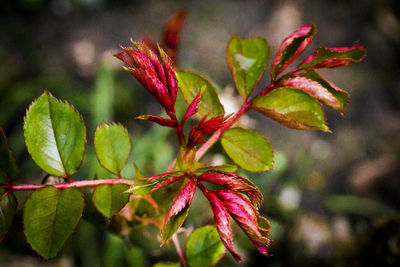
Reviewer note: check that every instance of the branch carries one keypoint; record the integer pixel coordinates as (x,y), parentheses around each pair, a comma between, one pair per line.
(84,183)
(214,138)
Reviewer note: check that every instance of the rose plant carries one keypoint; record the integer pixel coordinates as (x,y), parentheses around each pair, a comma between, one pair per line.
(55,137)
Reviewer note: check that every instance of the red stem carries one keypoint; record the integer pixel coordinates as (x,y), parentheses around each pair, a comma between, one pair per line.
(85,183)
(179,130)
(178,249)
(214,138)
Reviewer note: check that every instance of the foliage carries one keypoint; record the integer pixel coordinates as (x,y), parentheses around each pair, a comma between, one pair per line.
(55,136)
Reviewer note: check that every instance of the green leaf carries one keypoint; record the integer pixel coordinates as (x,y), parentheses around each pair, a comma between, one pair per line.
(7,160)
(204,247)
(167,264)
(190,84)
(50,216)
(113,146)
(8,206)
(247,60)
(55,135)
(292,108)
(224,168)
(248,149)
(109,199)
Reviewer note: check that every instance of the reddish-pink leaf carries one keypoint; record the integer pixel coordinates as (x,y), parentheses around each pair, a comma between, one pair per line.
(145,50)
(179,210)
(167,182)
(162,175)
(159,120)
(192,108)
(205,127)
(136,59)
(320,89)
(234,182)
(244,213)
(172,31)
(334,57)
(170,73)
(155,87)
(222,222)
(292,47)
(146,68)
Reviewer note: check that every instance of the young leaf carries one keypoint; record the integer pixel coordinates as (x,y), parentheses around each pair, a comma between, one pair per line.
(172,32)
(113,146)
(222,222)
(248,149)
(234,182)
(55,135)
(224,168)
(178,211)
(293,108)
(292,47)
(243,212)
(204,247)
(247,60)
(8,206)
(316,86)
(109,199)
(169,181)
(192,108)
(50,216)
(191,84)
(160,120)
(145,186)
(7,161)
(172,81)
(324,57)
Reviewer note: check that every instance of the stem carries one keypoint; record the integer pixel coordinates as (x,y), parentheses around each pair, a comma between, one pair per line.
(85,183)
(178,249)
(268,88)
(179,131)
(214,138)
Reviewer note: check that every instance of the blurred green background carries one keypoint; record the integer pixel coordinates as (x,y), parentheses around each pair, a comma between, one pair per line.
(333,199)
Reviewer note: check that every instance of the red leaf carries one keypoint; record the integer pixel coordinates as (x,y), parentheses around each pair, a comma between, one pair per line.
(167,182)
(170,74)
(159,120)
(162,175)
(192,108)
(324,91)
(151,82)
(205,127)
(292,47)
(243,212)
(222,222)
(136,59)
(334,57)
(145,50)
(172,31)
(146,68)
(234,182)
(179,210)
